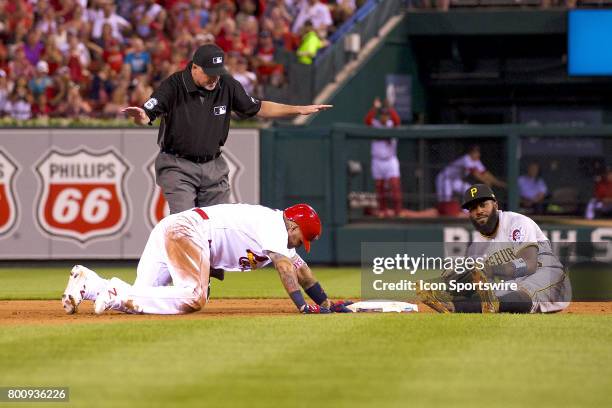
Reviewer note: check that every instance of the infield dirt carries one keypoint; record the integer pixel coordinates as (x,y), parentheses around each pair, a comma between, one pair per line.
(18,312)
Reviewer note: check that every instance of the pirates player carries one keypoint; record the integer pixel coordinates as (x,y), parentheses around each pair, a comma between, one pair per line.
(516,251)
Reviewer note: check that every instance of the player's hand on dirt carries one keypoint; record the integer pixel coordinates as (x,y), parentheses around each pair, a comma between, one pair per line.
(309,109)
(341,306)
(137,113)
(314,309)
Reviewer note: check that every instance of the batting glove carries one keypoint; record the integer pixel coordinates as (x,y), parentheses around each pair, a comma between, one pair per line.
(341,306)
(314,309)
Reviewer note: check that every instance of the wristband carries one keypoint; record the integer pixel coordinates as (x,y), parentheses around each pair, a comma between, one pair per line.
(298,299)
(316,293)
(520,267)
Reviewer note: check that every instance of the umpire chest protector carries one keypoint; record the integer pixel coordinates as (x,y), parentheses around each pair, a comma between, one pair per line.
(194,120)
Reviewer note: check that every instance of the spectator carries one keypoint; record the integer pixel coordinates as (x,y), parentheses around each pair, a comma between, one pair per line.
(247,79)
(113,56)
(144,15)
(41,81)
(200,13)
(76,48)
(108,16)
(315,12)
(532,189)
(19,105)
(600,206)
(101,87)
(278,22)
(141,91)
(4,56)
(20,17)
(20,66)
(41,107)
(74,105)
(310,45)
(186,19)
(52,55)
(98,45)
(79,23)
(138,58)
(119,99)
(223,26)
(33,47)
(342,10)
(78,71)
(48,24)
(67,10)
(455,178)
(250,33)
(4,91)
(268,71)
(59,90)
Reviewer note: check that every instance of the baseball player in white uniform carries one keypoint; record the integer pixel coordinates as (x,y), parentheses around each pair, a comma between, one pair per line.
(452,179)
(515,250)
(385,164)
(174,269)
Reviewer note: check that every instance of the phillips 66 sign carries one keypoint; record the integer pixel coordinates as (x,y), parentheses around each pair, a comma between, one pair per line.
(8,208)
(82,194)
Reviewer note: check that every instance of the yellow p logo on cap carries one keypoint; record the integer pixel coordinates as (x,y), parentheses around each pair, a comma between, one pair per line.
(473,191)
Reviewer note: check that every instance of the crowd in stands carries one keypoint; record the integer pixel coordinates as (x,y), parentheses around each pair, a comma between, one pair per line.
(74,58)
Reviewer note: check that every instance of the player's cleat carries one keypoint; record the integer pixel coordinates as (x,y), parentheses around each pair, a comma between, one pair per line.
(341,306)
(108,296)
(76,288)
(217,273)
(440,301)
(488,301)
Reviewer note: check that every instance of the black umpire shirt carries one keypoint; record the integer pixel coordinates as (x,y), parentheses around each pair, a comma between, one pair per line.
(195,121)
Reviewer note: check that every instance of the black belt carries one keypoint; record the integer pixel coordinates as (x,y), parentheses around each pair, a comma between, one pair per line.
(196,159)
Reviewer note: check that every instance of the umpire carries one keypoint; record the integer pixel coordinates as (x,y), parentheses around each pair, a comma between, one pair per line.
(194,106)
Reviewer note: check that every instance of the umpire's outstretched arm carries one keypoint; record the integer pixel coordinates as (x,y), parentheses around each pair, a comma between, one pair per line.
(271,110)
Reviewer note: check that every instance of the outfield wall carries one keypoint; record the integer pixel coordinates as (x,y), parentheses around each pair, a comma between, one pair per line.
(90,193)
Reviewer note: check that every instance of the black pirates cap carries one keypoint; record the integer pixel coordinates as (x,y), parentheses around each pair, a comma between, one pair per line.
(477,192)
(211,58)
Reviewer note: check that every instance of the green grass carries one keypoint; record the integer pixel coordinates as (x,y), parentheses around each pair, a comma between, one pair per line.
(389,360)
(315,361)
(49,283)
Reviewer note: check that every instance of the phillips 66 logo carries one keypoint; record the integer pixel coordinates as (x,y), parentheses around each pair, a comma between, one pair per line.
(82,194)
(8,209)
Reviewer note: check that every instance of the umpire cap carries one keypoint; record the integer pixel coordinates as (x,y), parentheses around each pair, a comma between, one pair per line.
(211,58)
(477,192)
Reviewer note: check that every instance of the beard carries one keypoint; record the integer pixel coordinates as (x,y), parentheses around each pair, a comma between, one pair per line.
(211,85)
(488,227)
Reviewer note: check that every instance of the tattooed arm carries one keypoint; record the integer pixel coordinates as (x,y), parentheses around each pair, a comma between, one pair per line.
(289,277)
(287,274)
(309,283)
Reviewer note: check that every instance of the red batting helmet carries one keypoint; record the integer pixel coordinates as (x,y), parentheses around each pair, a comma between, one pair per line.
(307,219)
